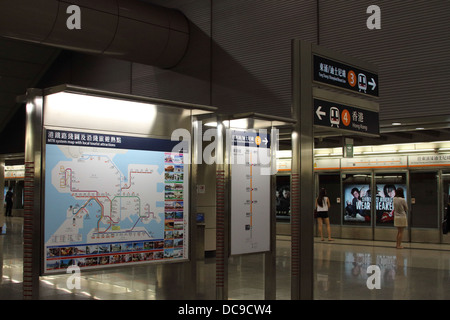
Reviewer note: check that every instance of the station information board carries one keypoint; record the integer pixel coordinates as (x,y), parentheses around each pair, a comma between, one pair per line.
(113,200)
(345,76)
(250,192)
(338,116)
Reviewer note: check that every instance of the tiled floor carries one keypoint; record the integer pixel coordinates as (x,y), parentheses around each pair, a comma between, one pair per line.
(417,272)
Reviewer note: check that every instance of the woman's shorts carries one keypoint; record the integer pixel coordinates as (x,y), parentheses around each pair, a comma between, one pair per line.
(400,221)
(322,214)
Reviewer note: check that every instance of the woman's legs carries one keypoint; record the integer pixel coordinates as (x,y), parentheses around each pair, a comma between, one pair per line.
(327,223)
(319,226)
(399,237)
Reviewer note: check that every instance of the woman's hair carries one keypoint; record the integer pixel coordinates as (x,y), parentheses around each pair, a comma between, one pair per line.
(399,192)
(357,190)
(322,194)
(388,188)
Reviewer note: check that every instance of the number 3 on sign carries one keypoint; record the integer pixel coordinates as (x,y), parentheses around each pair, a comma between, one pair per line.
(346,117)
(351,78)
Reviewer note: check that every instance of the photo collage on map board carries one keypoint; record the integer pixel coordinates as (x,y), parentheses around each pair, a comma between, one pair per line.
(173,205)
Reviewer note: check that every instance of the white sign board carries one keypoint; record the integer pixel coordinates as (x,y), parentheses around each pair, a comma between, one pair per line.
(374,162)
(429,160)
(250,192)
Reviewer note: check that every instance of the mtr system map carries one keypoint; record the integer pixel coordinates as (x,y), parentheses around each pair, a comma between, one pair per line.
(112,200)
(250,192)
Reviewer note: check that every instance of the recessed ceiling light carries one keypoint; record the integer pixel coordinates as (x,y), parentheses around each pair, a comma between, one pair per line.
(396,123)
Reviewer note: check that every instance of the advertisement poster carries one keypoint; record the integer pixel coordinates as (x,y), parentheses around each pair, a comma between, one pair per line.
(358,199)
(113,200)
(385,204)
(283,196)
(357,204)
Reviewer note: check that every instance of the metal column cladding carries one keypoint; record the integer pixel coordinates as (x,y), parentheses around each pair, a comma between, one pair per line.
(124,29)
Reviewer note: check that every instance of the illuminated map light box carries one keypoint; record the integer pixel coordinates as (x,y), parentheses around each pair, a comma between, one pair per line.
(116,188)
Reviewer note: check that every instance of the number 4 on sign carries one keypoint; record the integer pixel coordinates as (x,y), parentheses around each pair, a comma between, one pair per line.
(346,117)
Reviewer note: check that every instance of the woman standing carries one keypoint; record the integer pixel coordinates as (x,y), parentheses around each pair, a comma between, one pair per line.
(322,207)
(400,219)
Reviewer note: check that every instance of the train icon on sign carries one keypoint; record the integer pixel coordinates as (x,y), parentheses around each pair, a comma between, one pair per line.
(335,118)
(362,82)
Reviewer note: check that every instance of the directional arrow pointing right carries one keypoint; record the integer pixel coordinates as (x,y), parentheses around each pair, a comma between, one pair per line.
(373,83)
(320,113)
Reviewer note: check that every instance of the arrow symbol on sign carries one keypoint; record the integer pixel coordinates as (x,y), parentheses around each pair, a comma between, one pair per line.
(265,141)
(320,113)
(373,83)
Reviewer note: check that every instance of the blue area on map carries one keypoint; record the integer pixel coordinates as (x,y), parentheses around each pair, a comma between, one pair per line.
(160,187)
(122,160)
(56,204)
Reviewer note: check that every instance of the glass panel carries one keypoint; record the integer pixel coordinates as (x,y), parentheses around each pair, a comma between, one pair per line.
(424,197)
(283,197)
(386,184)
(446,207)
(356,188)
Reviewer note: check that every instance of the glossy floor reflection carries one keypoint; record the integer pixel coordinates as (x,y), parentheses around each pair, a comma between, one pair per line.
(417,272)
(341,271)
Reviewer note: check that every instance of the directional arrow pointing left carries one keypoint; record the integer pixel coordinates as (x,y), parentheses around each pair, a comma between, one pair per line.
(373,83)
(320,113)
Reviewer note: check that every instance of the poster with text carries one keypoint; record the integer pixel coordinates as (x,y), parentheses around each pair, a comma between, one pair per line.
(250,192)
(113,200)
(385,203)
(358,199)
(357,204)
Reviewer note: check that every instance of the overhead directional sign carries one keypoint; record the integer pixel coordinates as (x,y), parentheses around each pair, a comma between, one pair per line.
(345,76)
(338,116)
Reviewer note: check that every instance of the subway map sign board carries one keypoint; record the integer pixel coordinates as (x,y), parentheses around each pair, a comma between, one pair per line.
(113,200)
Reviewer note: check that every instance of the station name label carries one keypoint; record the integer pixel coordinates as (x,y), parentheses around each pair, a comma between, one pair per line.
(98,140)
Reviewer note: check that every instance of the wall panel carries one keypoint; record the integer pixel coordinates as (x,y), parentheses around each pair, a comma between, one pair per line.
(189,81)
(410,49)
(251,57)
(239,56)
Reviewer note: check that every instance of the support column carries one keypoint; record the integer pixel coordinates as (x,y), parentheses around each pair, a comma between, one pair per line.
(32,211)
(302,194)
(270,284)
(222,213)
(190,276)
